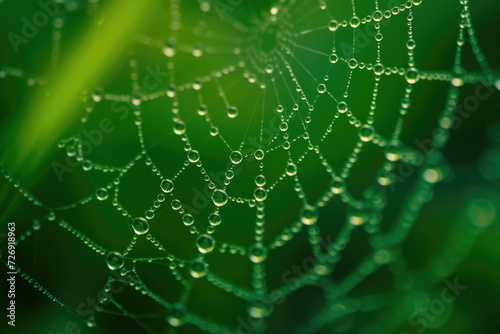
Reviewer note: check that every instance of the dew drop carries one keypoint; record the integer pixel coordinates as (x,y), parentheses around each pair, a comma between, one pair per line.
(214,219)
(114,260)
(354,22)
(232,112)
(309,215)
(101,194)
(366,133)
(342,107)
(412,75)
(337,185)
(188,219)
(260,194)
(257,253)
(260,180)
(167,185)
(179,128)
(219,197)
(205,243)
(198,268)
(140,226)
(176,315)
(333,25)
(236,157)
(259,154)
(321,88)
(193,156)
(291,169)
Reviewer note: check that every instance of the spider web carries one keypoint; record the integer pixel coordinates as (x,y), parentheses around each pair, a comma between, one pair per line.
(250,141)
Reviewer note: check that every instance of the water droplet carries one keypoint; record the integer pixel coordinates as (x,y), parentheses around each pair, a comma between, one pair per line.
(432,175)
(257,253)
(333,25)
(309,215)
(354,22)
(337,185)
(188,219)
(219,197)
(236,157)
(260,180)
(214,219)
(356,218)
(232,112)
(283,126)
(366,133)
(378,69)
(291,169)
(114,260)
(333,58)
(411,44)
(260,194)
(412,75)
(259,310)
(169,49)
(193,156)
(205,243)
(321,88)
(176,315)
(352,63)
(377,16)
(198,268)
(342,107)
(259,154)
(97,95)
(202,110)
(167,185)
(101,194)
(393,152)
(140,226)
(179,128)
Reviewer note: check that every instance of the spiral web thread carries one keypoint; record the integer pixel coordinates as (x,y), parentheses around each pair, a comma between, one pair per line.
(276,71)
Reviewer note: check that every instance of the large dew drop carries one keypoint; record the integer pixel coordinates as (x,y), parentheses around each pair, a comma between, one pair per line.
(219,197)
(198,268)
(140,225)
(257,253)
(176,315)
(309,215)
(205,243)
(167,185)
(114,260)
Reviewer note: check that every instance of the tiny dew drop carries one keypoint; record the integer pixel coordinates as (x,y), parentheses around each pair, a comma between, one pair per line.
(393,152)
(232,112)
(354,22)
(257,253)
(309,215)
(114,260)
(236,157)
(214,219)
(140,226)
(205,243)
(167,185)
(101,194)
(176,315)
(169,49)
(366,133)
(219,197)
(356,218)
(259,310)
(283,126)
(198,268)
